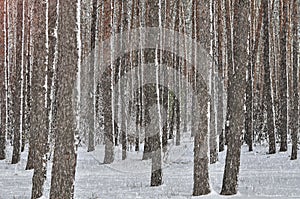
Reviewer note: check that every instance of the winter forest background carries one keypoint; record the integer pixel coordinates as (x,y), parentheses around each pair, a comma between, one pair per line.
(149,99)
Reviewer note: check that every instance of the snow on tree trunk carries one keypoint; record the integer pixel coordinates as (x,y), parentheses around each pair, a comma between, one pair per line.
(64,161)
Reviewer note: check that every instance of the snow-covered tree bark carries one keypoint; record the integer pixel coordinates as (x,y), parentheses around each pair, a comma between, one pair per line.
(64,161)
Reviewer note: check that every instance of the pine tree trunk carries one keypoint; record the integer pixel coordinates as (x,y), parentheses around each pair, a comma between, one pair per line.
(16,86)
(220,77)
(229,63)
(51,73)
(106,87)
(64,161)
(267,98)
(2,83)
(249,88)
(152,20)
(201,159)
(283,127)
(39,112)
(31,135)
(213,145)
(236,92)
(295,91)
(91,80)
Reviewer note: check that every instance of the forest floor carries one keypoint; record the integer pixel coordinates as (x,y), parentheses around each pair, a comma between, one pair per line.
(261,175)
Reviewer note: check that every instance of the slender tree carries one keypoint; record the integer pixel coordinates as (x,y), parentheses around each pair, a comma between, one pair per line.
(64,161)
(283,125)
(220,76)
(106,85)
(295,91)
(30,133)
(16,88)
(2,83)
(267,95)
(153,135)
(91,79)
(213,145)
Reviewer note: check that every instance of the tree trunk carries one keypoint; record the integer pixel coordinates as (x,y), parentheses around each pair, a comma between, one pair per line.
(213,144)
(16,86)
(91,80)
(236,92)
(201,159)
(229,63)
(295,91)
(220,76)
(64,161)
(31,135)
(2,83)
(39,112)
(283,127)
(267,98)
(152,20)
(106,86)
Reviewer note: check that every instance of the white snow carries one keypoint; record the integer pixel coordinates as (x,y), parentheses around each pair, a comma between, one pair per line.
(261,175)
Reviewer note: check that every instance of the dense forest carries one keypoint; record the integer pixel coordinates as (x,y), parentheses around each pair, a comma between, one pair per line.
(142,77)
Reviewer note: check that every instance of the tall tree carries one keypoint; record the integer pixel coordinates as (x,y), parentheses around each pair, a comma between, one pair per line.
(64,161)
(201,160)
(16,88)
(283,77)
(213,145)
(39,112)
(267,94)
(220,76)
(51,72)
(107,84)
(236,92)
(151,93)
(295,90)
(249,95)
(30,133)
(91,79)
(2,83)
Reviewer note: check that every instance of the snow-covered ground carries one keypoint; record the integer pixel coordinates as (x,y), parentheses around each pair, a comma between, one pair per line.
(261,175)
